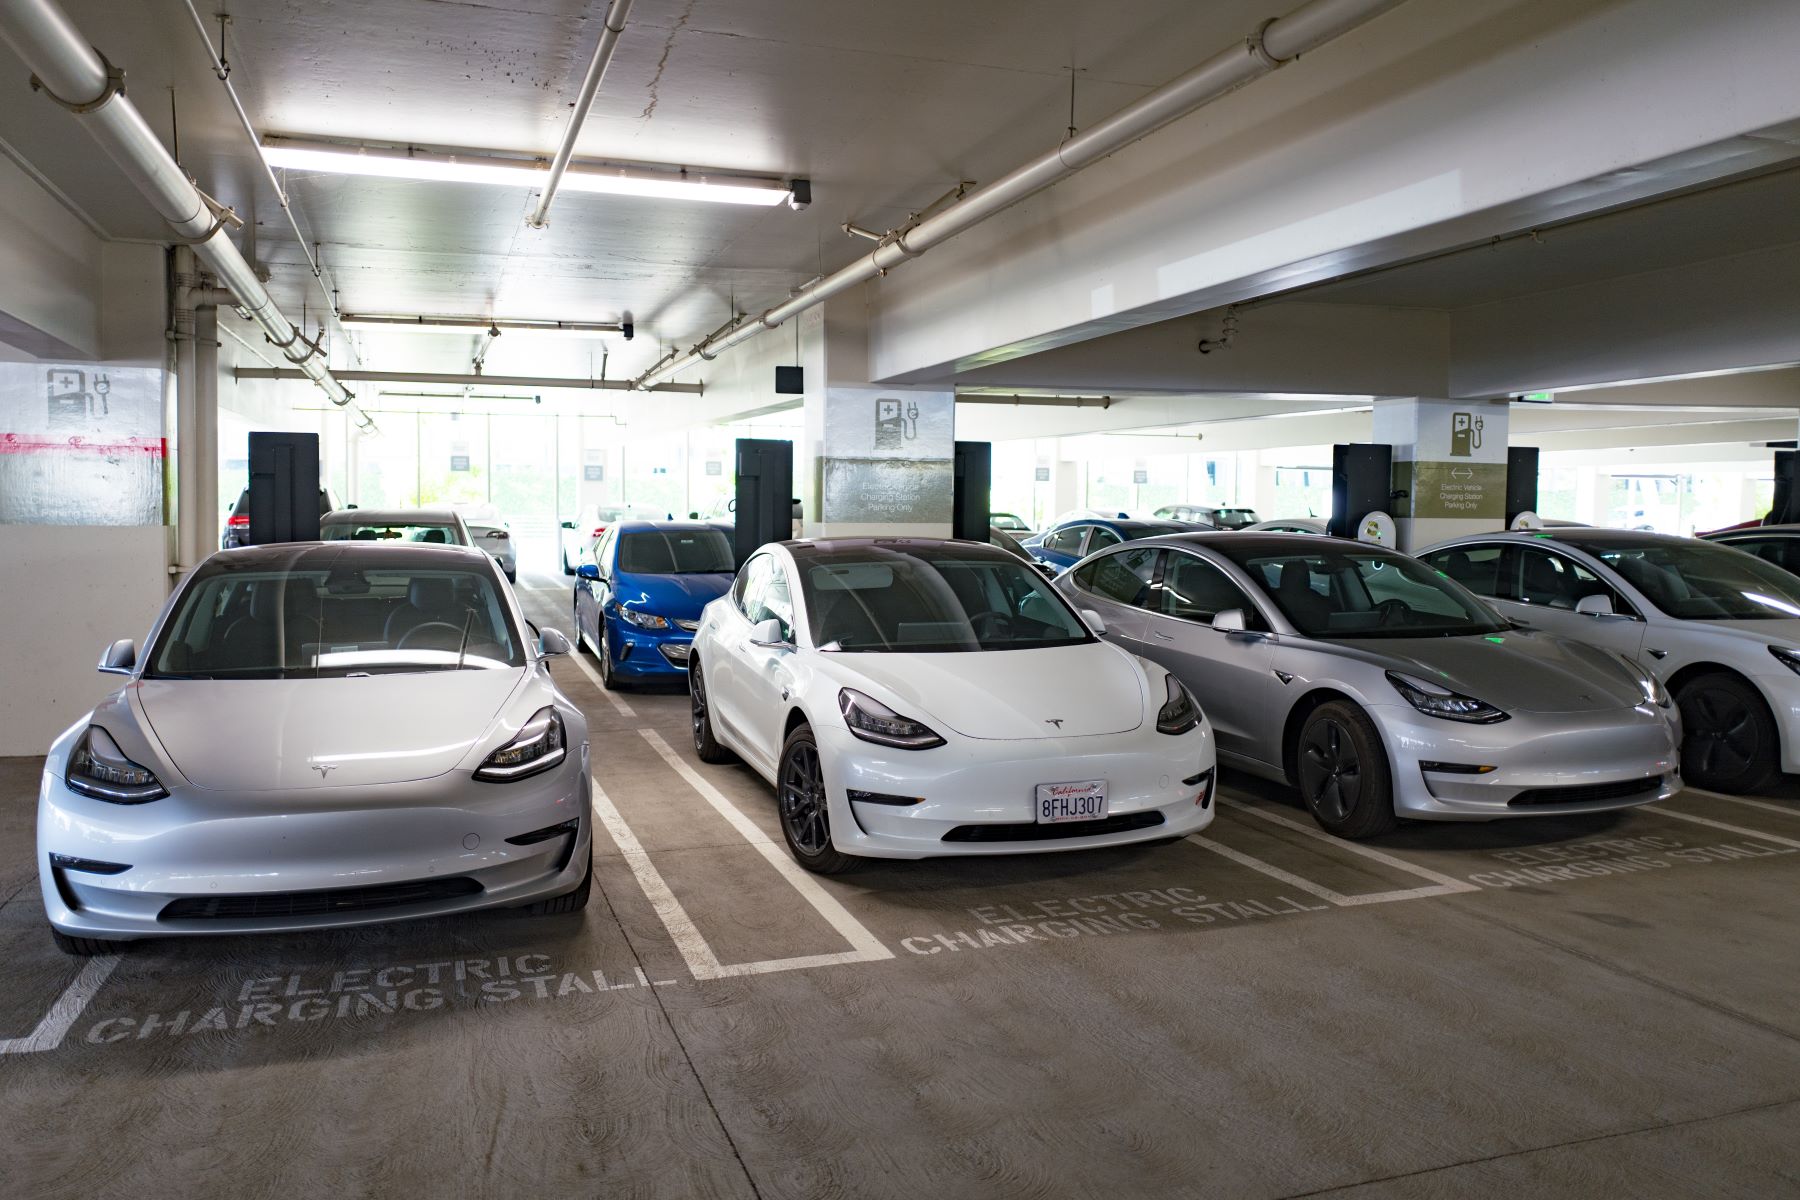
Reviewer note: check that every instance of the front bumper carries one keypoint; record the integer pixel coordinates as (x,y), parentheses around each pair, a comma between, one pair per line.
(280,850)
(649,653)
(970,783)
(1598,754)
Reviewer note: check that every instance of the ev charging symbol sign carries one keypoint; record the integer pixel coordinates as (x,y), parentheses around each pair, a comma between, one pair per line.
(1465,435)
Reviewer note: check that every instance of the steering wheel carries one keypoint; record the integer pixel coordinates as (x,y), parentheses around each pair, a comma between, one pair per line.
(991,623)
(1392,608)
(416,630)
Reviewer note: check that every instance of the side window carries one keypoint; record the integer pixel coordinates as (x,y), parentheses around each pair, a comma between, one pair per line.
(751,581)
(1067,541)
(1123,578)
(603,555)
(1195,590)
(1781,552)
(766,594)
(1101,539)
(1484,570)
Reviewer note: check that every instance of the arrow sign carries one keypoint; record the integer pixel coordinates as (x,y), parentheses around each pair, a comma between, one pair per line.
(1461,473)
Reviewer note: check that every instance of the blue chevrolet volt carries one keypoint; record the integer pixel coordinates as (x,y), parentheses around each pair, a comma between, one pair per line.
(638,604)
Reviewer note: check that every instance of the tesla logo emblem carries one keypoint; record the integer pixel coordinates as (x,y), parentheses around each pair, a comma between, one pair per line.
(1056,721)
(324,768)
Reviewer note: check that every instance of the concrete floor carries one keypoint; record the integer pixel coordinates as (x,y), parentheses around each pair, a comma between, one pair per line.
(1561,1007)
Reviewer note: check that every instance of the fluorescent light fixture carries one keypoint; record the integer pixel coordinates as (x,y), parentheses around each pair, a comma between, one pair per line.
(466,166)
(429,324)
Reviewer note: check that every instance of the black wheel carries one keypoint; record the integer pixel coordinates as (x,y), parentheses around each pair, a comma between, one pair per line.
(705,744)
(568,902)
(512,575)
(1729,741)
(83,947)
(1342,772)
(608,676)
(805,817)
(567,569)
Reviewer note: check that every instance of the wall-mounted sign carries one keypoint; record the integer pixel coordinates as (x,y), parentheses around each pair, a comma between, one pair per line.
(714,467)
(1043,475)
(459,462)
(593,472)
(1140,477)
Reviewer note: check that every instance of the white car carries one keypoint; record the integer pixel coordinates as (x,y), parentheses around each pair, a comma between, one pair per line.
(911,698)
(492,535)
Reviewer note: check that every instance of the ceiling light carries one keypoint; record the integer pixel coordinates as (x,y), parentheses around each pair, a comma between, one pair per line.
(425,324)
(463,166)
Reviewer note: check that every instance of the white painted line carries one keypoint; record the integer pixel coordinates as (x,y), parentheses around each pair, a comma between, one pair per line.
(1319,889)
(1755,833)
(1447,883)
(693,947)
(625,710)
(49,1032)
(1786,810)
(868,947)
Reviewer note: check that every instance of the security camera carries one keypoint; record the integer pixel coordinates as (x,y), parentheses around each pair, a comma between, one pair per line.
(627,328)
(537,399)
(799,194)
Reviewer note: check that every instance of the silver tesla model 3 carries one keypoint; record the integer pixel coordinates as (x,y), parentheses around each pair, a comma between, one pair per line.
(1378,687)
(319,734)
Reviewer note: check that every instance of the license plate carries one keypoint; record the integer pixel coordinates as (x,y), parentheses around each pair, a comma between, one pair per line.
(1058,802)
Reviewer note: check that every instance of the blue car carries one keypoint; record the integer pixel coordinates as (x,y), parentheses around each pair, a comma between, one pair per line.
(1068,542)
(638,604)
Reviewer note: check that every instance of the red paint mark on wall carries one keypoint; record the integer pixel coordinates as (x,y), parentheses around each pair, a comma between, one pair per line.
(30,443)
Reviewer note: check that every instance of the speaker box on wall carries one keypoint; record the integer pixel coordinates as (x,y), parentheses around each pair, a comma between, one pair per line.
(790,381)
(1361,479)
(1521,481)
(284,488)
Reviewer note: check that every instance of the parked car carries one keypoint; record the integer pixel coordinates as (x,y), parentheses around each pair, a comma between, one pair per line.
(431,526)
(1378,688)
(237,521)
(1007,542)
(912,698)
(1207,514)
(1011,522)
(638,604)
(1720,628)
(493,536)
(1065,544)
(581,537)
(1313,525)
(1777,544)
(311,737)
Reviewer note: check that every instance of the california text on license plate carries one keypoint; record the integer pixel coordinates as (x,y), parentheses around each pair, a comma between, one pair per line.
(1070,802)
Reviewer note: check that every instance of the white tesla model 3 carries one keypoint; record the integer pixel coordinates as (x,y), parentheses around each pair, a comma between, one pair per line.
(912,697)
(319,734)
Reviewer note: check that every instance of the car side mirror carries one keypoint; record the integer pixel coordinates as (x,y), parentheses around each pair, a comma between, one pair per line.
(1598,605)
(587,571)
(1094,622)
(1229,620)
(768,633)
(693,516)
(551,642)
(120,658)
(568,524)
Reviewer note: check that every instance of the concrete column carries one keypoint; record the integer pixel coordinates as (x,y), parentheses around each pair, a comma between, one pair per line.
(874,460)
(1450,461)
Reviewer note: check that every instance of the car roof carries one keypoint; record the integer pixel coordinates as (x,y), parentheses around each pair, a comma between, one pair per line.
(1579,536)
(805,548)
(1751,531)
(634,526)
(1133,524)
(311,555)
(1260,541)
(391,516)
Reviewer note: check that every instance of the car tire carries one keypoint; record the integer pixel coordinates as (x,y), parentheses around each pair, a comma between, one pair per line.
(1342,772)
(706,745)
(512,575)
(1729,741)
(801,804)
(567,569)
(568,902)
(83,947)
(608,676)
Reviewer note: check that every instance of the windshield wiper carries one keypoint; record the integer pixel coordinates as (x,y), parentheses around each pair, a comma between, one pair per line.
(463,646)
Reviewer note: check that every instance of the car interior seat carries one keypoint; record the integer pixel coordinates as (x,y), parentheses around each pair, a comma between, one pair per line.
(428,598)
(1295,592)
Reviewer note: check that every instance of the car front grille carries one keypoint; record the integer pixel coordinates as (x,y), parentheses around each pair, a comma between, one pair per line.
(315,904)
(1588,793)
(1031,832)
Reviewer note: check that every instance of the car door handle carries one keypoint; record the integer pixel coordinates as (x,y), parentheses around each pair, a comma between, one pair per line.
(1160,636)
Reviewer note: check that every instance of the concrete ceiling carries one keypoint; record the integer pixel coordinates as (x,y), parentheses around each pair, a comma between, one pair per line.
(882,106)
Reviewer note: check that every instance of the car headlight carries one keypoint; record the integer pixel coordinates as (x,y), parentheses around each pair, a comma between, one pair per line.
(1657,694)
(98,768)
(539,746)
(1787,657)
(1435,700)
(1179,713)
(873,721)
(642,620)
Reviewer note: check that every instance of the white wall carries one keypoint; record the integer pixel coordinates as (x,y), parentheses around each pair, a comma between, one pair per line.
(49,272)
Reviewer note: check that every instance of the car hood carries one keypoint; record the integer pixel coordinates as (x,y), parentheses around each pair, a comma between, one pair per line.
(1516,670)
(1094,688)
(254,735)
(678,596)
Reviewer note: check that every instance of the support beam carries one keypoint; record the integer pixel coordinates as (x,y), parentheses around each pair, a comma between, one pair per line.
(534,381)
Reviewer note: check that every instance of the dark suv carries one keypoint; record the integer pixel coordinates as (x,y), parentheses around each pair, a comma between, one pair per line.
(237,525)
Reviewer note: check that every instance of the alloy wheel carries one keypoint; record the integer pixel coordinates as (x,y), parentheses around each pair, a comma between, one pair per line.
(697,706)
(1330,772)
(803,800)
(1722,730)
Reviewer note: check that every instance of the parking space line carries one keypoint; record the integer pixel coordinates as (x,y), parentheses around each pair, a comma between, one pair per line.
(682,931)
(625,710)
(1786,810)
(49,1032)
(869,948)
(1446,885)
(1755,833)
(1270,869)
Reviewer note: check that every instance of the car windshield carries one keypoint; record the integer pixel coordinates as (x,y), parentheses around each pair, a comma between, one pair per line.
(1362,593)
(675,552)
(374,615)
(389,531)
(1233,518)
(932,599)
(1698,581)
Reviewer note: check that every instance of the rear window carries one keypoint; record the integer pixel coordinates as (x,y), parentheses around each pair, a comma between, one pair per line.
(377,531)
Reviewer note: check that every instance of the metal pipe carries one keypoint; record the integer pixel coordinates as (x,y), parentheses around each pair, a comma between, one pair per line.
(77,77)
(1268,47)
(1035,401)
(187,415)
(407,321)
(530,381)
(584,100)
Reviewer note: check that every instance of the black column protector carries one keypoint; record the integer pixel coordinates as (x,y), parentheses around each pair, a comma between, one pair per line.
(765,494)
(972,491)
(284,488)
(1362,478)
(1521,481)
(1786,508)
